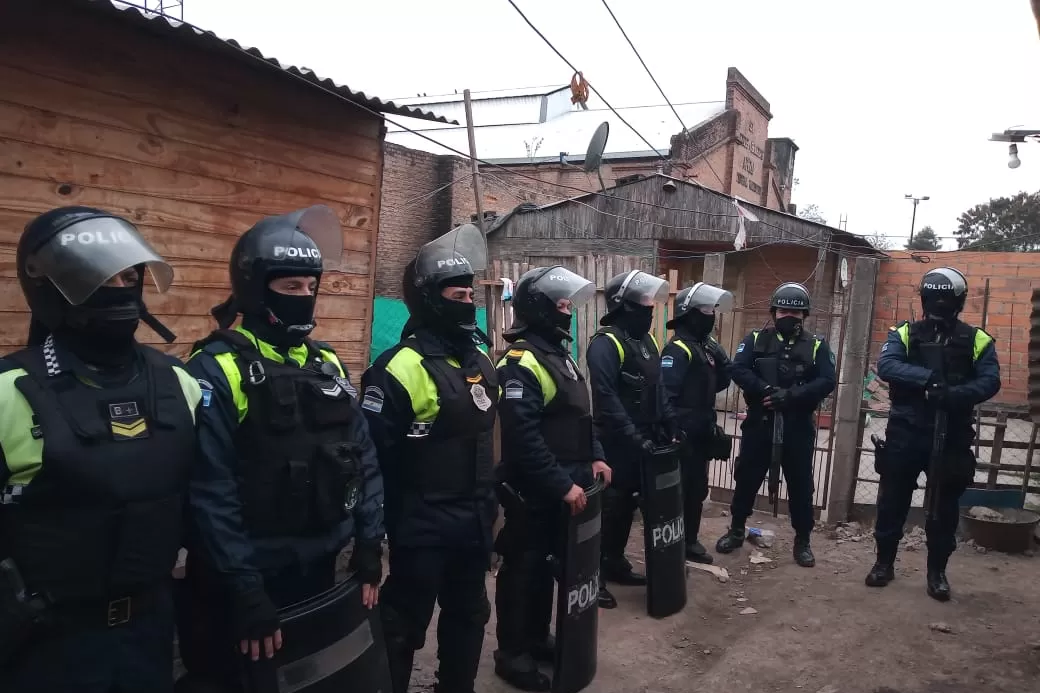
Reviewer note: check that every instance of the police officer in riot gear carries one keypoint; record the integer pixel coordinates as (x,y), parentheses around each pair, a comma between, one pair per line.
(550,456)
(937,365)
(781,369)
(630,410)
(431,402)
(288,473)
(694,367)
(97,435)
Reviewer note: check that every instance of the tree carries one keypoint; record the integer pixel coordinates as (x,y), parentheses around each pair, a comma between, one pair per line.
(880,241)
(812,213)
(1004,223)
(925,239)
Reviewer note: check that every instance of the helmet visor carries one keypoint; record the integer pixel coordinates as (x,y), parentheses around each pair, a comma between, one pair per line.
(559,284)
(320,224)
(459,252)
(707,298)
(85,255)
(644,289)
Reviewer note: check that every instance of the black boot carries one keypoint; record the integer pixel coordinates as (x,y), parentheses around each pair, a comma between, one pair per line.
(520,671)
(938,585)
(401,658)
(606,600)
(731,540)
(884,570)
(803,554)
(696,552)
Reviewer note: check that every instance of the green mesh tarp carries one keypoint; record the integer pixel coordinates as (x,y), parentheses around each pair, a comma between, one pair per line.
(388,318)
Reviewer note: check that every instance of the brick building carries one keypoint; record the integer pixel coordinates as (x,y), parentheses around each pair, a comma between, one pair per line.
(536,139)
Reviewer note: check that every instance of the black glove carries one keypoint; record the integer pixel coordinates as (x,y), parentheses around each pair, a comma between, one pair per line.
(778,398)
(253,616)
(937,393)
(367,563)
(646,446)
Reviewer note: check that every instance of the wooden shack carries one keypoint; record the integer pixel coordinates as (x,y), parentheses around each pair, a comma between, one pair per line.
(191,137)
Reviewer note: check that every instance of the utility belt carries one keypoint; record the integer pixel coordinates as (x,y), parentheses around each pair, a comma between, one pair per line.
(26,617)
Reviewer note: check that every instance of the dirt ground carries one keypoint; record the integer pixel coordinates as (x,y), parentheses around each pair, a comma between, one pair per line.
(818,630)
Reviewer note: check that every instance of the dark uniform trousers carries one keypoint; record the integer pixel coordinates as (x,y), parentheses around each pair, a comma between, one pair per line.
(98,527)
(531,539)
(797,365)
(439,511)
(909,442)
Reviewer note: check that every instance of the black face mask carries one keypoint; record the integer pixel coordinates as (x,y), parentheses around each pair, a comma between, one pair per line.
(636,320)
(458,316)
(101,330)
(788,326)
(295,315)
(699,324)
(562,322)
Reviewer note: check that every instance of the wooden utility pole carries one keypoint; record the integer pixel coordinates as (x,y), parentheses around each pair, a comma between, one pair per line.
(477,192)
(846,429)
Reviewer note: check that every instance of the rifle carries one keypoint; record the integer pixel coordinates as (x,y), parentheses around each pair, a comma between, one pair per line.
(933,359)
(769,369)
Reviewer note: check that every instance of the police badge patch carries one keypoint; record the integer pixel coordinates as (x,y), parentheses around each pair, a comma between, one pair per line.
(480,397)
(644,351)
(571,373)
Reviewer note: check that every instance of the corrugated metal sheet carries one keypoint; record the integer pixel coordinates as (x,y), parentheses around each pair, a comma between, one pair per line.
(168,26)
(569,132)
(1034,358)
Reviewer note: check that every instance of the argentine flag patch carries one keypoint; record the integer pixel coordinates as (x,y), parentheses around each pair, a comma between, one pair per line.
(666,362)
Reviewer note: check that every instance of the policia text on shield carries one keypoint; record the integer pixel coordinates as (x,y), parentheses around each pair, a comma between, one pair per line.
(547,485)
(938,369)
(287,476)
(88,536)
(637,428)
(431,402)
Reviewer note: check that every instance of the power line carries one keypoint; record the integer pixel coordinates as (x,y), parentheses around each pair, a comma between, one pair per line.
(659,88)
(594,90)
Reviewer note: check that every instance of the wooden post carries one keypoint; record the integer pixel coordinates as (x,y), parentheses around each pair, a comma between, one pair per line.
(714,268)
(818,284)
(855,356)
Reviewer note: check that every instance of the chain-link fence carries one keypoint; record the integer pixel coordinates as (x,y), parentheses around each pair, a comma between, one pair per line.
(388,318)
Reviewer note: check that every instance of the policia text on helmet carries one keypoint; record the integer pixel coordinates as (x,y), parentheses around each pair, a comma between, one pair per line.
(82,272)
(97,439)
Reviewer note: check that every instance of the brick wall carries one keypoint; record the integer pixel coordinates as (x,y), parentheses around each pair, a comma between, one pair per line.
(1011,279)
(411,213)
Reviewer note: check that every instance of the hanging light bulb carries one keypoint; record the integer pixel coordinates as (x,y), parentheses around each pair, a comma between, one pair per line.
(1014,161)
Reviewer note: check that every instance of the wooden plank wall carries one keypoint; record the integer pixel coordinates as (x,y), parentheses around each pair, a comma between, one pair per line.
(194,148)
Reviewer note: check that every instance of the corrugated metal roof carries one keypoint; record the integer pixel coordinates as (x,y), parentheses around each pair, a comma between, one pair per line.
(569,132)
(425,100)
(168,26)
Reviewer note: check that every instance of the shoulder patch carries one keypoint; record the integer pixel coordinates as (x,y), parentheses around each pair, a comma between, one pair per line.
(740,347)
(515,353)
(373,399)
(207,391)
(666,361)
(514,389)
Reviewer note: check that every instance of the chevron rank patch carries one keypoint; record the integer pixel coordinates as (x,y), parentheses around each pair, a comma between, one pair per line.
(127,422)
(514,389)
(666,362)
(515,353)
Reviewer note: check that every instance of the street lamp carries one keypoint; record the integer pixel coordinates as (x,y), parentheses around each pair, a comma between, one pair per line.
(913,219)
(1014,137)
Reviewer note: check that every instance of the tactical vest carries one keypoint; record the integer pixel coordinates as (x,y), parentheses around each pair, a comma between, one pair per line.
(102,516)
(958,358)
(640,387)
(566,423)
(796,362)
(701,379)
(298,470)
(453,455)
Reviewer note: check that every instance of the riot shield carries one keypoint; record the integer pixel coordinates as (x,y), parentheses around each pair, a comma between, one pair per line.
(577,598)
(331,643)
(664,532)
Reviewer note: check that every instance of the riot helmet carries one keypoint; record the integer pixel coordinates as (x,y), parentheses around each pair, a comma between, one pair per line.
(448,261)
(695,308)
(790,296)
(65,258)
(943,293)
(303,243)
(536,300)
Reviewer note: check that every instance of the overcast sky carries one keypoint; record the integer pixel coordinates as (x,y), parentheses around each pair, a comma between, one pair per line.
(883,98)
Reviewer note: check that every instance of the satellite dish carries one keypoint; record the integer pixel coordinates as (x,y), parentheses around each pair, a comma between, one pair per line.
(843,272)
(594,155)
